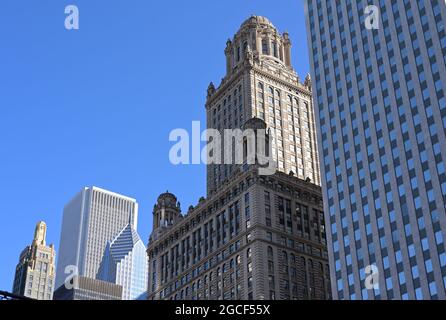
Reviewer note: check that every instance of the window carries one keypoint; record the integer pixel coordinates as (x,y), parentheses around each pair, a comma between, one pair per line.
(264,46)
(270,252)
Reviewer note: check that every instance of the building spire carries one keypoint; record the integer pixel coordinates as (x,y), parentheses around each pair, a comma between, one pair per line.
(40,234)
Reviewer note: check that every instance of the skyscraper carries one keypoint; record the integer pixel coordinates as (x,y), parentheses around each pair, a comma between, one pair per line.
(254,236)
(125,263)
(34,275)
(260,82)
(91,219)
(379,72)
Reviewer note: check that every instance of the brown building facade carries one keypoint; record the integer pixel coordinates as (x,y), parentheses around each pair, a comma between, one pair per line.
(259,237)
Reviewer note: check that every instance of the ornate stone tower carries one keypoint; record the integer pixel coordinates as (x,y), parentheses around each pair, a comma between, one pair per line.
(166,213)
(34,276)
(260,82)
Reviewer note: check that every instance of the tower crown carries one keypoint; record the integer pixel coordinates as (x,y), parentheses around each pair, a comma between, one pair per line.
(40,234)
(258,39)
(166,211)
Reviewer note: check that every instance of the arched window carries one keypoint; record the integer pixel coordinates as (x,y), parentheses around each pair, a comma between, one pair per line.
(275,49)
(238,260)
(285,256)
(260,85)
(271,90)
(270,252)
(265,46)
(248,253)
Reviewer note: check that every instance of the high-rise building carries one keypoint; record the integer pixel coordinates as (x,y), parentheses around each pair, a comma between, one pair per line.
(84,288)
(90,220)
(254,237)
(125,263)
(379,72)
(35,272)
(258,237)
(260,82)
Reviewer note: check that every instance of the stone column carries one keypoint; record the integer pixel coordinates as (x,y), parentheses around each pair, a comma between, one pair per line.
(287,49)
(228,57)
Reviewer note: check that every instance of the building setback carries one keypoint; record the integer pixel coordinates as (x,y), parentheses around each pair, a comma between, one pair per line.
(34,275)
(90,220)
(381,111)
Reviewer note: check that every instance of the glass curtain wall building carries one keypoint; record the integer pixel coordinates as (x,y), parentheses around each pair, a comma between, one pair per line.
(125,263)
(381,111)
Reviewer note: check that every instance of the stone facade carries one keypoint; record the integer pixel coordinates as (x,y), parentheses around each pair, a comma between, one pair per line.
(260,82)
(256,238)
(35,272)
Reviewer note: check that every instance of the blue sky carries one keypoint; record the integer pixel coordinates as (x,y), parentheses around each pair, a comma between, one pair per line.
(95,106)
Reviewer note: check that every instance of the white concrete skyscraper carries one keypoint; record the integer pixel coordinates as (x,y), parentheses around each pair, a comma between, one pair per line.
(90,220)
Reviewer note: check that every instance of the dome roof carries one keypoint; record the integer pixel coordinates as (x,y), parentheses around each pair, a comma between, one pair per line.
(167,195)
(257,20)
(167,199)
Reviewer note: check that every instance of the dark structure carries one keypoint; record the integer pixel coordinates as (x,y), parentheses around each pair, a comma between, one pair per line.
(89,289)
(10,296)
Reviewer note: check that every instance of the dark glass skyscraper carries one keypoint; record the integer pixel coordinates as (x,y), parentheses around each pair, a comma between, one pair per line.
(380,106)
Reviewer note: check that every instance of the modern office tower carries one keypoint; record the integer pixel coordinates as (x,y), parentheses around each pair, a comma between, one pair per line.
(91,219)
(125,263)
(381,111)
(34,275)
(260,82)
(258,237)
(89,289)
